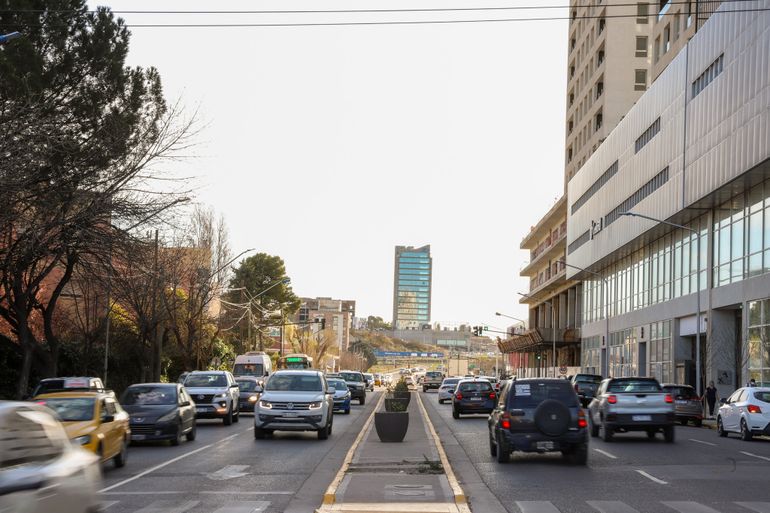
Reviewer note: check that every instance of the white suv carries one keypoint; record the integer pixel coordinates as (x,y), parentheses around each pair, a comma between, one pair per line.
(216,395)
(747,412)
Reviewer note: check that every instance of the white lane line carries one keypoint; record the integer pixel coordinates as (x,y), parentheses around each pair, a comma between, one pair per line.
(107,504)
(651,477)
(702,442)
(142,493)
(606,454)
(168,507)
(536,507)
(244,507)
(755,455)
(204,492)
(689,507)
(222,492)
(611,507)
(759,507)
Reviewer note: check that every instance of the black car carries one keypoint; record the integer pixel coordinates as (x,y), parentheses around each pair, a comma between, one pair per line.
(538,415)
(249,390)
(160,411)
(356,384)
(473,396)
(586,386)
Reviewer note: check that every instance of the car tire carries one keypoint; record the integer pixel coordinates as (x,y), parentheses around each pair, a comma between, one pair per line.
(179,433)
(746,435)
(594,426)
(347,411)
(579,454)
(651,434)
(192,433)
(259,434)
(492,446)
(606,432)
(227,420)
(323,433)
(668,434)
(720,428)
(441,401)
(503,451)
(237,415)
(455,413)
(120,458)
(362,401)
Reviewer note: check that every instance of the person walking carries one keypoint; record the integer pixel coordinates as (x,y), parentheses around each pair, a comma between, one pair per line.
(711,398)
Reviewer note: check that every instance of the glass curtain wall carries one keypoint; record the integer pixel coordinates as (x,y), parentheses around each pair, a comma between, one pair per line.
(591,354)
(623,354)
(758,350)
(661,354)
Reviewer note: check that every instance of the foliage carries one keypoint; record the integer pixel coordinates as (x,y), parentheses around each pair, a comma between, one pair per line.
(316,345)
(363,348)
(401,386)
(377,323)
(397,405)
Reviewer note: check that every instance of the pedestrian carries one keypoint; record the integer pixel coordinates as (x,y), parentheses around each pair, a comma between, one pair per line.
(752,382)
(711,398)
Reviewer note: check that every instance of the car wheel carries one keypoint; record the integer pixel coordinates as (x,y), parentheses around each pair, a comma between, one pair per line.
(594,427)
(503,451)
(362,401)
(698,422)
(323,433)
(720,428)
(424,390)
(651,434)
(579,455)
(746,435)
(668,434)
(259,434)
(192,433)
(178,438)
(237,415)
(228,419)
(347,411)
(455,413)
(120,458)
(492,446)
(606,432)
(441,401)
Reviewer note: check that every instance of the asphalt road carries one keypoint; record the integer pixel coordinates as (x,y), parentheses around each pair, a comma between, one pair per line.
(226,471)
(699,473)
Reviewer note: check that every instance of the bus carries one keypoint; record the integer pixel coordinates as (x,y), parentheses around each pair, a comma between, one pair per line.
(295,361)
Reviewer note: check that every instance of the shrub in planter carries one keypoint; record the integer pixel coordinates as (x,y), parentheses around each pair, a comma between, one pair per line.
(396,404)
(391,426)
(402,391)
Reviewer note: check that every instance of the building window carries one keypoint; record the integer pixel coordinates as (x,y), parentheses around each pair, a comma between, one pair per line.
(590,354)
(598,184)
(598,121)
(689,14)
(640,79)
(641,46)
(642,192)
(569,154)
(569,127)
(623,353)
(676,27)
(709,74)
(600,58)
(599,89)
(642,13)
(661,355)
(602,23)
(571,71)
(647,135)
(572,44)
(665,5)
(571,99)
(666,39)
(657,49)
(758,343)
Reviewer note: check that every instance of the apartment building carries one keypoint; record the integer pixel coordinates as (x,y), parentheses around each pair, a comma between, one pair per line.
(337,314)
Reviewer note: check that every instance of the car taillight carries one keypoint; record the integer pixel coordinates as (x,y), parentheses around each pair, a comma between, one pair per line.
(458,396)
(612,399)
(576,388)
(506,424)
(582,422)
(491,395)
(753,408)
(669,399)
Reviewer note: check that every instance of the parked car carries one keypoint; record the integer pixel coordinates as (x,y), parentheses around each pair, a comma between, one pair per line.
(80,384)
(746,411)
(341,394)
(432,380)
(248,392)
(473,396)
(586,386)
(356,384)
(42,471)
(538,415)
(369,381)
(295,400)
(632,404)
(687,405)
(94,421)
(447,389)
(216,395)
(160,411)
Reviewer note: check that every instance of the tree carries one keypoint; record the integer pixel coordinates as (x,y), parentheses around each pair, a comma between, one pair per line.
(377,323)
(261,284)
(317,345)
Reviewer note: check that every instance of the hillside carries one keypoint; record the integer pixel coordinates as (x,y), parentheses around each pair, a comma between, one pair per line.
(381,342)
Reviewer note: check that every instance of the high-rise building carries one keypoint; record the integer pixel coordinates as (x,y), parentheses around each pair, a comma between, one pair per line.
(412,287)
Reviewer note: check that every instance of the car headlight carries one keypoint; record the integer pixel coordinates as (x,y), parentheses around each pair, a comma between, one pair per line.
(316,405)
(168,417)
(252,398)
(266,405)
(347,394)
(82,440)
(221,396)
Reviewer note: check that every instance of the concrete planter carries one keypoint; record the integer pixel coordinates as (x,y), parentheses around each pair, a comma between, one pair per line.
(391,426)
(407,396)
(396,404)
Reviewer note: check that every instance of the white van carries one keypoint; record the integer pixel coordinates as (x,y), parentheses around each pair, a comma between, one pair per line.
(253,363)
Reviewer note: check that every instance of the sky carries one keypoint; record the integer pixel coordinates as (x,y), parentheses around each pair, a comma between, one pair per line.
(328,146)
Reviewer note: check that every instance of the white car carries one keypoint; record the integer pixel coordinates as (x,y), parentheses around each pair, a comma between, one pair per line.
(747,412)
(42,471)
(447,389)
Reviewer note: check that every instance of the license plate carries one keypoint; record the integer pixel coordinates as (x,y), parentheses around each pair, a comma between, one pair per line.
(291,414)
(544,445)
(200,410)
(475,398)
(641,418)
(681,402)
(138,437)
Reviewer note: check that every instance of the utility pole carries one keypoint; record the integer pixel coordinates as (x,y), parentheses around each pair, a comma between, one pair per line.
(156,314)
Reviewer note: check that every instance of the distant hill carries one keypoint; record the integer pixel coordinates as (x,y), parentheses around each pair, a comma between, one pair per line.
(381,342)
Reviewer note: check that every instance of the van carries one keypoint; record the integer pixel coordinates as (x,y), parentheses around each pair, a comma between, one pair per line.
(253,363)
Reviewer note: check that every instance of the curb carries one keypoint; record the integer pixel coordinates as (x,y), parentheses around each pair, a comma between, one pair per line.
(459,495)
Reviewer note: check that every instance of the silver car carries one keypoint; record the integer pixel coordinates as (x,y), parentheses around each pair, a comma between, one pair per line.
(447,389)
(216,395)
(295,400)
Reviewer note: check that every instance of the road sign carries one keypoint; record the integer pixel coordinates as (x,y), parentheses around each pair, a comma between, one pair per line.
(563,370)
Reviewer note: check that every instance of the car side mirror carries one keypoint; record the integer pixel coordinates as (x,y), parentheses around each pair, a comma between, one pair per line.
(723,401)
(234,385)
(108,418)
(330,390)
(186,403)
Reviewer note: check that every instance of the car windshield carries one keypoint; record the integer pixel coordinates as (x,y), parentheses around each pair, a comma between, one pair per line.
(141,395)
(450,381)
(352,376)
(248,369)
(205,380)
(476,386)
(432,374)
(586,378)
(337,384)
(633,385)
(294,382)
(72,409)
(681,392)
(246,385)
(762,396)
(530,394)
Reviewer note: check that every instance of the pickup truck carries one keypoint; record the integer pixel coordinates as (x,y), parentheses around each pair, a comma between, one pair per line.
(631,404)
(432,379)
(586,385)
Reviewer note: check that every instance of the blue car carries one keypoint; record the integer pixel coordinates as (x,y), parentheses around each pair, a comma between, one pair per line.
(473,396)
(341,394)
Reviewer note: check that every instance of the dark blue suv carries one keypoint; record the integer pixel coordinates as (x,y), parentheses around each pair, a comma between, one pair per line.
(473,396)
(538,415)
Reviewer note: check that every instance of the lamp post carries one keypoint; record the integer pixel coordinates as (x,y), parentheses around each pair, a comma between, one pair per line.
(697,293)
(606,308)
(553,329)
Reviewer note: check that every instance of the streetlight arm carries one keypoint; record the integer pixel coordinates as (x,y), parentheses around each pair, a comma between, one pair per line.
(634,214)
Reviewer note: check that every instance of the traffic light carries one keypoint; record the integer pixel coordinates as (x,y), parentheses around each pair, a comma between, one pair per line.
(537,356)
(477,331)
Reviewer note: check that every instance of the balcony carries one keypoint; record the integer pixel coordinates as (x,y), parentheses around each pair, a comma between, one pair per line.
(540,288)
(556,246)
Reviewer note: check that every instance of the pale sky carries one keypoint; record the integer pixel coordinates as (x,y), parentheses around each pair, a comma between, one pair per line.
(328,146)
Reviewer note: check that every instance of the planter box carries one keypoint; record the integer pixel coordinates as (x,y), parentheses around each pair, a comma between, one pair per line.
(391,404)
(391,426)
(403,395)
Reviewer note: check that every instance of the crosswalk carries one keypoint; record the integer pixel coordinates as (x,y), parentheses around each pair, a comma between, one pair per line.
(662,507)
(185,506)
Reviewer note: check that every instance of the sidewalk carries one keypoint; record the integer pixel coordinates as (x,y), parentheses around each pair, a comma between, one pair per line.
(397,477)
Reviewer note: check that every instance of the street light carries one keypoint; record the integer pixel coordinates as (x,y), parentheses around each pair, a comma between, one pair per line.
(510,317)
(606,308)
(4,38)
(553,329)
(697,293)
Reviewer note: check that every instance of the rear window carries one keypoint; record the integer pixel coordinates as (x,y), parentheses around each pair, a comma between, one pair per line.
(762,396)
(477,386)
(681,392)
(433,374)
(246,385)
(634,385)
(530,394)
(588,379)
(450,381)
(352,376)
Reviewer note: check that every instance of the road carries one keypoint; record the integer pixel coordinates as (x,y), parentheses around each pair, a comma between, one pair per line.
(699,473)
(226,471)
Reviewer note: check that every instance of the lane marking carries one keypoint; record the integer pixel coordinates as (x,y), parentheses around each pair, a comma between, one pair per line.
(651,477)
(107,504)
(204,492)
(759,507)
(755,455)
(536,507)
(228,472)
(168,507)
(244,507)
(702,442)
(606,454)
(689,507)
(611,507)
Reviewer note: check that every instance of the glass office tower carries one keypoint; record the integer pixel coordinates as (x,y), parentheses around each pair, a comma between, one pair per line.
(412,287)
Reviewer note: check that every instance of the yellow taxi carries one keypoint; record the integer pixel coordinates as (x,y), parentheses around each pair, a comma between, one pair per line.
(94,420)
